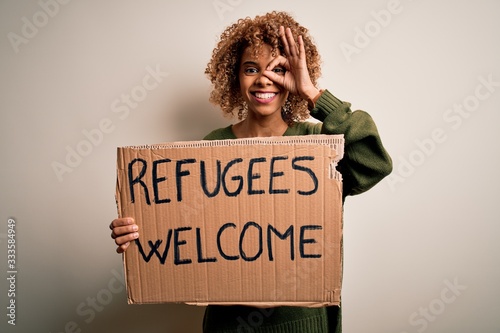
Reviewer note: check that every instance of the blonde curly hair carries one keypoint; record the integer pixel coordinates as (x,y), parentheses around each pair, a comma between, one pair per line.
(223,67)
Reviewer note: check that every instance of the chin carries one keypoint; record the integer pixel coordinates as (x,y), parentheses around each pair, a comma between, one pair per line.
(266,112)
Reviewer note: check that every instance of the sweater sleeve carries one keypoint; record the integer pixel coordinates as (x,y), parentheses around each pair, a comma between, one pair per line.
(365,162)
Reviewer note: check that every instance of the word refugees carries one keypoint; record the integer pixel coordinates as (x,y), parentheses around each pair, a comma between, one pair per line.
(224,177)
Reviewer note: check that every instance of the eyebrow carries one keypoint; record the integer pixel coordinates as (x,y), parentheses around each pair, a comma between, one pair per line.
(249,62)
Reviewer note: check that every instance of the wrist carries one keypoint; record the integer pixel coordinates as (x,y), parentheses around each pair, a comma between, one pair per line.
(311,96)
(310,93)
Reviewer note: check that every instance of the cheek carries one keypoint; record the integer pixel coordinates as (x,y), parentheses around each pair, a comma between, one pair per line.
(285,96)
(241,81)
(244,83)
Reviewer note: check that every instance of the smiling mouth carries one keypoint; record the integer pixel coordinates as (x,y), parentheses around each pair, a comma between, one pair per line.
(264,96)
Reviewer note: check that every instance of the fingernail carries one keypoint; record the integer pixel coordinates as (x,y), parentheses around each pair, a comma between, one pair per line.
(130,221)
(135,227)
(135,235)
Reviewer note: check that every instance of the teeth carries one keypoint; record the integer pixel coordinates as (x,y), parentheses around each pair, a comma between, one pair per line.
(264,95)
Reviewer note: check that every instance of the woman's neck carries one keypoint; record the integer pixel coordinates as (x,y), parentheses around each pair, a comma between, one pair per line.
(262,127)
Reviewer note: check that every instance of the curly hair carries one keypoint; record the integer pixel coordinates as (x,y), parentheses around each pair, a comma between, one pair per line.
(223,67)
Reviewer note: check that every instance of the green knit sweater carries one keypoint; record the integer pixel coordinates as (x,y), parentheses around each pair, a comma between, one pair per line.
(364,164)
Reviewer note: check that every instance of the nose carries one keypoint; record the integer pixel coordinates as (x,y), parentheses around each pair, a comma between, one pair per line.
(263,80)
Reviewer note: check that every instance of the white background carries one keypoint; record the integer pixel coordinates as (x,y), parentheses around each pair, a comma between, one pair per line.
(432,224)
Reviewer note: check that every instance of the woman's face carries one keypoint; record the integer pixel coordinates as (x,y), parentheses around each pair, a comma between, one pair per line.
(263,96)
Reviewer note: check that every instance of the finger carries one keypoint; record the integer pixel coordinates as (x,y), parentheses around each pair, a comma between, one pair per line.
(293,50)
(286,48)
(121,222)
(122,248)
(120,231)
(276,78)
(302,49)
(126,238)
(278,61)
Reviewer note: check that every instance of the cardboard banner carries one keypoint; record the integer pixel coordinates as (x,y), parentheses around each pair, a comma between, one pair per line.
(249,221)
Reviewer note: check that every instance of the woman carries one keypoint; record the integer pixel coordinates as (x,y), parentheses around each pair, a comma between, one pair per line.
(266,69)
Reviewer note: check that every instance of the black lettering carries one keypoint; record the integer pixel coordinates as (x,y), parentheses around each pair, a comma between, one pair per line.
(288,233)
(276,174)
(181,173)
(154,248)
(203,179)
(157,180)
(242,236)
(234,178)
(308,171)
(219,246)
(131,182)
(177,245)
(200,250)
(308,240)
(252,176)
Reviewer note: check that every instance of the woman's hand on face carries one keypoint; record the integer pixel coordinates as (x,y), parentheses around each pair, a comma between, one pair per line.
(296,78)
(123,231)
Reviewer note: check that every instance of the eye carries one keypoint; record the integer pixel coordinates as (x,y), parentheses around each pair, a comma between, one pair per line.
(251,70)
(279,70)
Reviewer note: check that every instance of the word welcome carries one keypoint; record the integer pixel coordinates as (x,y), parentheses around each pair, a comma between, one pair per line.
(243,240)
(222,178)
